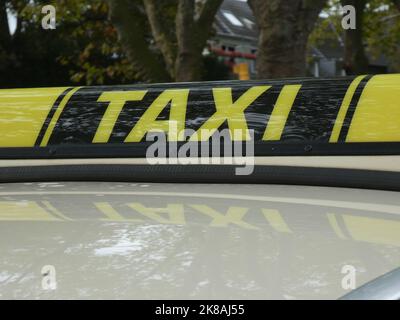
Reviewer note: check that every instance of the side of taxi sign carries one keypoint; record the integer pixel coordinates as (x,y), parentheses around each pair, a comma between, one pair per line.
(362,109)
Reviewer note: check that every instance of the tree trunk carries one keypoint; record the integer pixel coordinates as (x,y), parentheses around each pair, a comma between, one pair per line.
(179,38)
(192,35)
(161,31)
(284,28)
(355,59)
(189,56)
(129,21)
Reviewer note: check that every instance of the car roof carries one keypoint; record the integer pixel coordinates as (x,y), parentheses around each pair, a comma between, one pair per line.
(178,241)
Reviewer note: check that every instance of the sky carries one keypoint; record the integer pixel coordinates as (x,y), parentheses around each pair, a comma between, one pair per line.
(12,22)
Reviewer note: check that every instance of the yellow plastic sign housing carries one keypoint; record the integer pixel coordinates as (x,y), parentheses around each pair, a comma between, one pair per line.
(342,116)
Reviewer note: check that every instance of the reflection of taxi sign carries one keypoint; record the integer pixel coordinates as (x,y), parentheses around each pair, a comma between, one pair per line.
(358,221)
(359,115)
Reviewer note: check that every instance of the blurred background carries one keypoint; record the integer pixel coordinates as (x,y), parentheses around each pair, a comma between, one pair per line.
(130,41)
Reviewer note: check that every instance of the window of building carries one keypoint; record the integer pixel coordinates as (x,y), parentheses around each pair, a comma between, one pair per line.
(249,24)
(232,18)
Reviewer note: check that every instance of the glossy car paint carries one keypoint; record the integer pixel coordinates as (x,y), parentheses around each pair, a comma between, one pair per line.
(177,241)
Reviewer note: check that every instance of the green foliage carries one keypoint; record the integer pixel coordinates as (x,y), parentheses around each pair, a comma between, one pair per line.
(85,48)
(93,54)
(381,30)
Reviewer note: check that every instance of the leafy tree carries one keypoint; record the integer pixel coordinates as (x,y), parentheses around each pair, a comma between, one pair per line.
(27,55)
(377,34)
(143,40)
(92,51)
(382,31)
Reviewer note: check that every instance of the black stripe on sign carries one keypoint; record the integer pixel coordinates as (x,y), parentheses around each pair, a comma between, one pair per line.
(352,109)
(314,110)
(50,116)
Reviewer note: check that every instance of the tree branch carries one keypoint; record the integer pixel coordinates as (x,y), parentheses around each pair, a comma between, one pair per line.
(206,18)
(191,35)
(355,58)
(185,25)
(310,12)
(161,33)
(130,22)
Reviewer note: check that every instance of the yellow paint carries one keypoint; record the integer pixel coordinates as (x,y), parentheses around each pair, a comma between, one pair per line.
(242,70)
(234,215)
(55,211)
(276,220)
(175,213)
(360,228)
(112,214)
(377,117)
(56,116)
(232,112)
(117,100)
(22,114)
(343,109)
(24,211)
(373,230)
(279,115)
(178,99)
(335,226)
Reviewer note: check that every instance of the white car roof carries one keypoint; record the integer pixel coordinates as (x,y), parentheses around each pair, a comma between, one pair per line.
(193,241)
